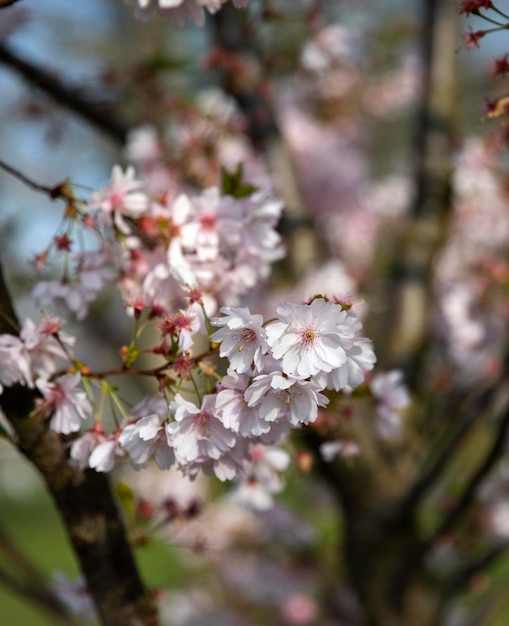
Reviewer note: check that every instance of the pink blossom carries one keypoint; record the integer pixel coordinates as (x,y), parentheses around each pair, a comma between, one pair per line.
(95,449)
(242,338)
(74,297)
(82,447)
(143,145)
(227,467)
(310,338)
(36,353)
(252,495)
(279,397)
(233,410)
(260,213)
(121,198)
(392,397)
(197,435)
(46,353)
(344,449)
(263,468)
(332,45)
(146,439)
(299,609)
(65,401)
(192,322)
(102,458)
(92,270)
(360,359)
(14,362)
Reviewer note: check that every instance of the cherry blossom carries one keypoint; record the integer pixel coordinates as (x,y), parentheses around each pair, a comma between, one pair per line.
(93,270)
(360,358)
(14,362)
(281,397)
(242,338)
(65,402)
(56,294)
(392,397)
(121,198)
(146,439)
(310,338)
(344,449)
(82,447)
(35,354)
(102,458)
(264,466)
(233,409)
(197,435)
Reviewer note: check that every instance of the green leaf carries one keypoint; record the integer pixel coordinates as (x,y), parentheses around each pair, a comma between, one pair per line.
(132,354)
(232,185)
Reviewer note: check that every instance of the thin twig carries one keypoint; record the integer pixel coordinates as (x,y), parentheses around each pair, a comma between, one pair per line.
(53,192)
(156,371)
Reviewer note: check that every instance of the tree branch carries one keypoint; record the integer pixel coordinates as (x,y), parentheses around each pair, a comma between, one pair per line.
(475,407)
(41,597)
(4,4)
(463,504)
(413,261)
(461,578)
(65,95)
(85,503)
(415,560)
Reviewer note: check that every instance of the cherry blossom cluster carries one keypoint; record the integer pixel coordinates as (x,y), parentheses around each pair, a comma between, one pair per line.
(179,11)
(34,359)
(227,243)
(175,259)
(276,374)
(200,138)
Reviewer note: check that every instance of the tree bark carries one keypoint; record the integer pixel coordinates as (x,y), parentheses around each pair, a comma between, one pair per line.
(85,503)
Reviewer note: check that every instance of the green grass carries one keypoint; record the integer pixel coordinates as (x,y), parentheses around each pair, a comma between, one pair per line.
(35,528)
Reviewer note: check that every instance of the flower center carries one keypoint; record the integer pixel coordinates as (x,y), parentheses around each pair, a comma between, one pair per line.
(116,200)
(309,336)
(246,336)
